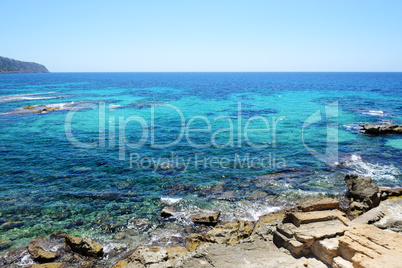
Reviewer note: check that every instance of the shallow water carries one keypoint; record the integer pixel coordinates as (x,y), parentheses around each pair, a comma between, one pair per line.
(103,157)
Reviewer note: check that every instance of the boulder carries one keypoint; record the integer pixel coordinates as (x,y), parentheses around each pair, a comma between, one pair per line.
(39,248)
(317,203)
(167,212)
(84,246)
(211,219)
(382,129)
(29,107)
(230,233)
(363,193)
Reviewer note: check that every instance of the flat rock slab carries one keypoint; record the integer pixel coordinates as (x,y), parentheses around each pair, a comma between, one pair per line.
(245,255)
(299,218)
(320,230)
(317,203)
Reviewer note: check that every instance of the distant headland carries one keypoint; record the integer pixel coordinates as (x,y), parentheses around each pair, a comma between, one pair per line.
(15,66)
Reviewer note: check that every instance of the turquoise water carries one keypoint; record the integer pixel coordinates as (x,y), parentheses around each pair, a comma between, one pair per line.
(123,145)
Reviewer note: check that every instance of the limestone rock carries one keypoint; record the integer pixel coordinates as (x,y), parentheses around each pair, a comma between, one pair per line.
(320,230)
(211,219)
(39,248)
(48,265)
(176,252)
(298,218)
(121,264)
(388,215)
(243,255)
(230,233)
(148,256)
(382,129)
(268,219)
(317,203)
(194,241)
(325,249)
(84,246)
(340,262)
(369,246)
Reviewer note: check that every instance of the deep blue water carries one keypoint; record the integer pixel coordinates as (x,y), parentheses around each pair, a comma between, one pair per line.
(104,157)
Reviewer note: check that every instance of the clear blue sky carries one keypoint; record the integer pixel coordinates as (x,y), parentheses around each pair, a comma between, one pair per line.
(170,35)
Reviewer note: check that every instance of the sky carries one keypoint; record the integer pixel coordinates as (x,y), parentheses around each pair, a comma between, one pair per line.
(204,36)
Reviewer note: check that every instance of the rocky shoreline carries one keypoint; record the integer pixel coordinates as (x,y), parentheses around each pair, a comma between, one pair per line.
(314,233)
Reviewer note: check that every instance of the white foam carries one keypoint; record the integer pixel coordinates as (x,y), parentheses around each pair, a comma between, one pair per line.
(23,97)
(27,260)
(170,200)
(374,112)
(113,106)
(376,171)
(110,246)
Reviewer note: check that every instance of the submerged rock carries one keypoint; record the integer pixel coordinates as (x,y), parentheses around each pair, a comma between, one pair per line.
(5,244)
(84,246)
(382,129)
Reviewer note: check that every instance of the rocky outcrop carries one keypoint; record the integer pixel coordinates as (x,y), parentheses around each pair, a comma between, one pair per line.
(368,246)
(211,219)
(382,129)
(84,246)
(388,215)
(307,232)
(230,233)
(338,242)
(40,249)
(194,241)
(363,192)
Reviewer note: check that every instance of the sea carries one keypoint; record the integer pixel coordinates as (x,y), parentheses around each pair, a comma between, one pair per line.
(101,154)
